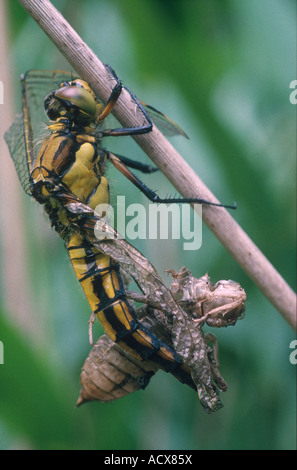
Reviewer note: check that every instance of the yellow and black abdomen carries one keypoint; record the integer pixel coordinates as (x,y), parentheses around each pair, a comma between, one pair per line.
(103,286)
(102,283)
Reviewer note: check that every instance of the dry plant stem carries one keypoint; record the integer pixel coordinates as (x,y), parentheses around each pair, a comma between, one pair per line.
(235,240)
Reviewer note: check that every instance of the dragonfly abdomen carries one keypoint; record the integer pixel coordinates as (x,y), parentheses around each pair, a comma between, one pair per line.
(103,286)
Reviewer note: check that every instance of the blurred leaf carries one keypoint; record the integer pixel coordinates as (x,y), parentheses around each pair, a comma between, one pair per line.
(37,400)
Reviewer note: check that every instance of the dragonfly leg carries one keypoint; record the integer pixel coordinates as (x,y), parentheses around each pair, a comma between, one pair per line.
(144,129)
(144,168)
(149,193)
(210,338)
(114,96)
(91,323)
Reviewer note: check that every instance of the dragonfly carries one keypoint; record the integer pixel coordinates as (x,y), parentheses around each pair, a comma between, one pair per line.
(62,165)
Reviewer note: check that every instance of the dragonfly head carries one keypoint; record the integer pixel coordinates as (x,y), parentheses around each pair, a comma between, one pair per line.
(74,100)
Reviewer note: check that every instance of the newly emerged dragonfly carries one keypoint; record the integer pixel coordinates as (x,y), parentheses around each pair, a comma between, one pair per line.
(63,168)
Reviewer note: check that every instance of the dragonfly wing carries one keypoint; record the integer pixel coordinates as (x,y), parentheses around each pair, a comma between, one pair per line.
(36,85)
(26,134)
(15,140)
(168,127)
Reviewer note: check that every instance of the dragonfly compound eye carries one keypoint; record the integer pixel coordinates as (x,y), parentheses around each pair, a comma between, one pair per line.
(79,99)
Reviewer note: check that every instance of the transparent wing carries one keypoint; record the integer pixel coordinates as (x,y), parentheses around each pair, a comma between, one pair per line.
(168,127)
(36,85)
(25,135)
(94,228)
(15,140)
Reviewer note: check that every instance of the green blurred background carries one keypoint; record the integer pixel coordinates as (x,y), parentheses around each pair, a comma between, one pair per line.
(222,70)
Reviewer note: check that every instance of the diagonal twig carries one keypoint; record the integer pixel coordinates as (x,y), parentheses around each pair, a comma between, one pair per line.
(163,154)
